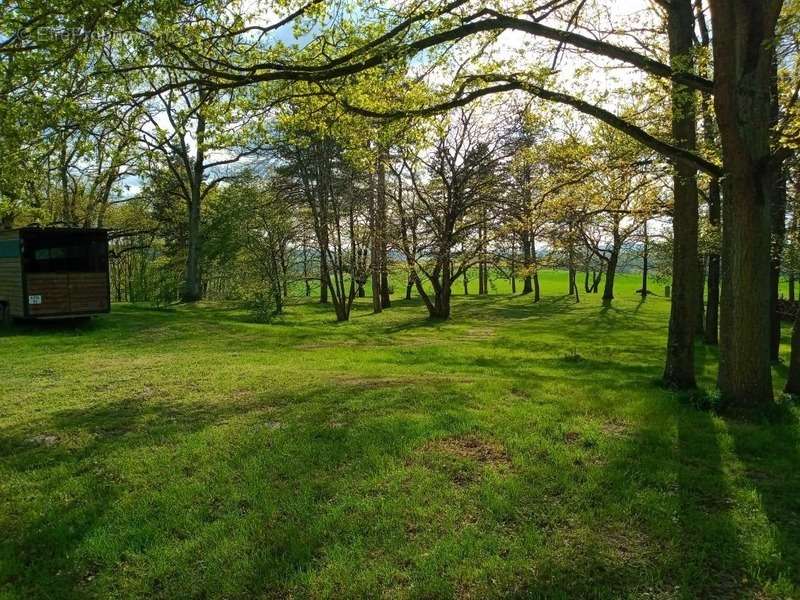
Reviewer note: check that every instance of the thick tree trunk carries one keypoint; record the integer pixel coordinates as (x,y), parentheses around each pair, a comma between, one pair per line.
(192,290)
(442,292)
(743,32)
(679,368)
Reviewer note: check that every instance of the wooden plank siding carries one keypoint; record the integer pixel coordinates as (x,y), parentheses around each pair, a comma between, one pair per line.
(11,278)
(68,293)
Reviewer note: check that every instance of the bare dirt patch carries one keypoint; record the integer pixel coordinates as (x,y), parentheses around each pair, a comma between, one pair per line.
(371,382)
(471,447)
(43,440)
(615,428)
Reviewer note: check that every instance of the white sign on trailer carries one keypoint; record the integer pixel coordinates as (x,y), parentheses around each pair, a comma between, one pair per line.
(35,299)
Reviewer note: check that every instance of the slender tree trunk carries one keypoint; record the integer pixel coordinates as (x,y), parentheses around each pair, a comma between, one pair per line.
(305,269)
(375,253)
(513,263)
(386,297)
(596,278)
(323,277)
(535,266)
(645,262)
(701,288)
(793,242)
(679,368)
(527,287)
(743,32)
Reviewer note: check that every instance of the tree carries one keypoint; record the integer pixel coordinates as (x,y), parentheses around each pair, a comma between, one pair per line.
(182,129)
(451,186)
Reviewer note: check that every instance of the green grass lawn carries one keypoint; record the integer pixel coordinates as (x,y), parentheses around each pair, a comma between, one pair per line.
(517,450)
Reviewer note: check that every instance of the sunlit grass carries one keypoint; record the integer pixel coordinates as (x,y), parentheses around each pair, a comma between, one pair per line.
(517,449)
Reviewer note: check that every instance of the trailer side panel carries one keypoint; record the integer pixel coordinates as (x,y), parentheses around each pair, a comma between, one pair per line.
(11,289)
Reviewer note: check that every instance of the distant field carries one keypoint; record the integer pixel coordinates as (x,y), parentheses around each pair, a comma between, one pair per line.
(518,450)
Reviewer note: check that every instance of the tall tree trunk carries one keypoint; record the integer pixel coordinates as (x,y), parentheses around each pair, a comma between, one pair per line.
(305,269)
(743,32)
(793,242)
(513,263)
(375,253)
(778,214)
(711,334)
(192,289)
(645,262)
(323,277)
(386,298)
(679,368)
(701,289)
(535,266)
(711,325)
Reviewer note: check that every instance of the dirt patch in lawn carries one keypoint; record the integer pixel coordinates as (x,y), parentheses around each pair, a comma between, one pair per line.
(471,447)
(615,428)
(371,382)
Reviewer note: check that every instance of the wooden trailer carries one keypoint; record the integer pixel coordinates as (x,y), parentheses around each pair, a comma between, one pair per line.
(54,273)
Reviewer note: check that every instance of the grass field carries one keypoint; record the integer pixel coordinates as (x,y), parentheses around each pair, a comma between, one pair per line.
(517,450)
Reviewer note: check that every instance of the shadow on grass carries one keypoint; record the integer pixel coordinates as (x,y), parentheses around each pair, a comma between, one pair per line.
(770,453)
(710,565)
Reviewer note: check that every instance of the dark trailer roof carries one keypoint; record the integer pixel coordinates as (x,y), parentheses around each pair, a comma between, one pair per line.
(55,231)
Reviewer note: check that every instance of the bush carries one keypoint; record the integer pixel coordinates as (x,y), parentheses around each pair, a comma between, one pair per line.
(263,307)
